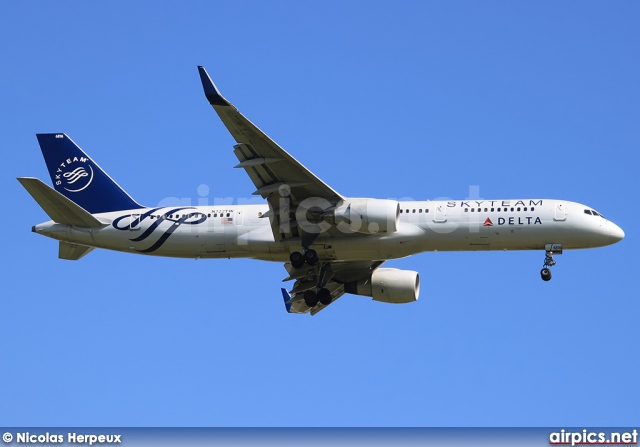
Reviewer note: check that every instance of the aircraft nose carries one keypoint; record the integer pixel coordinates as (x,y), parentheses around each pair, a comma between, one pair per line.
(615,233)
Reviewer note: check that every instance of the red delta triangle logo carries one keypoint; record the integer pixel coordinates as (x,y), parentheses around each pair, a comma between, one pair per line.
(488,223)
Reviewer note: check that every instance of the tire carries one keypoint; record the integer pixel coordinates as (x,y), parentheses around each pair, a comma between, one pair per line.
(324,296)
(545,273)
(310,298)
(311,257)
(297,260)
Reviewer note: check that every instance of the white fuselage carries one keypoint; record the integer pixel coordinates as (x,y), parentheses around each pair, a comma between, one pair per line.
(238,231)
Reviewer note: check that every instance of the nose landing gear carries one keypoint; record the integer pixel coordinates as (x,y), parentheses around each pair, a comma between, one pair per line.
(550,250)
(545,273)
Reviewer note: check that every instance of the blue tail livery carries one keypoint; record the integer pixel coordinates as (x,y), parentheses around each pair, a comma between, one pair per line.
(76,176)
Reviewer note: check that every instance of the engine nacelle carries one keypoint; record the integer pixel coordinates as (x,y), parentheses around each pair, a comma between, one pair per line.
(368,216)
(388,286)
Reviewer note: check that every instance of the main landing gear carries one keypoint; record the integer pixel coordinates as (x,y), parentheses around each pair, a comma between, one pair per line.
(318,294)
(308,256)
(323,296)
(550,250)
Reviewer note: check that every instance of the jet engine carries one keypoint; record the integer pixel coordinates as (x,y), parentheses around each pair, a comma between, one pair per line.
(388,286)
(368,216)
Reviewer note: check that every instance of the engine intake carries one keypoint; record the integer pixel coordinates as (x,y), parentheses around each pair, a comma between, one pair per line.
(368,216)
(388,286)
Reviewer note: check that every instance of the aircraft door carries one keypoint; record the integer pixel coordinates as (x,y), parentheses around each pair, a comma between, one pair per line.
(238,218)
(134,222)
(440,214)
(560,211)
(214,239)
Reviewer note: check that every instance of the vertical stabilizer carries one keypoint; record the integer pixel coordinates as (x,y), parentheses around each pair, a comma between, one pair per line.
(76,176)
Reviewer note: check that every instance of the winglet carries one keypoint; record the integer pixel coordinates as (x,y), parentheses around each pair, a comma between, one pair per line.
(210,90)
(287,300)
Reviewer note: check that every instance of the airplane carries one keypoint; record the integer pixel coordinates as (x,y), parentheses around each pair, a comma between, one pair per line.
(330,244)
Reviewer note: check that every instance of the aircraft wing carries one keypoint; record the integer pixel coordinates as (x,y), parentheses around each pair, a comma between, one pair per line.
(275,174)
(337,274)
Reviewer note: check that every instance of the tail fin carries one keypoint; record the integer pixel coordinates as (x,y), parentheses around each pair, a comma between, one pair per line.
(76,176)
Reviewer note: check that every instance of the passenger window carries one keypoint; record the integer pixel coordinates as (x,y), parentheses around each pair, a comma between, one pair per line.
(525,208)
(466,210)
(485,210)
(472,209)
(492,210)
(532,208)
(511,208)
(420,210)
(518,208)
(498,209)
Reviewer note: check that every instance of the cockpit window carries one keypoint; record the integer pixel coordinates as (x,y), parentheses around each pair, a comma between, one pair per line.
(594,213)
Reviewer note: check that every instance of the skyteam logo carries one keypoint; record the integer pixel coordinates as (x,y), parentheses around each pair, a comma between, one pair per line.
(176,217)
(74,174)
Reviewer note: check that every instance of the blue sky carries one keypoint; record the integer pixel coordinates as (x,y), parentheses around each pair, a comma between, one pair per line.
(418,100)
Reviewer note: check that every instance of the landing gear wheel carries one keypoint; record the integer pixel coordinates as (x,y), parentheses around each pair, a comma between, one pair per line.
(545,273)
(324,296)
(310,298)
(297,259)
(311,257)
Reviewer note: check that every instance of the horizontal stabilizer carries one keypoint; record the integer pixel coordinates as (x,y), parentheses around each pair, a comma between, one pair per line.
(60,209)
(72,252)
